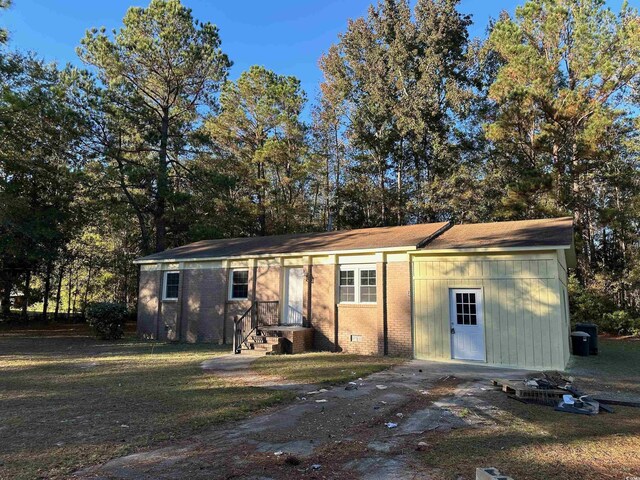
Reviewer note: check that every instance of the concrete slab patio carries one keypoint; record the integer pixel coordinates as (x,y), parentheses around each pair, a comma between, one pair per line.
(370,428)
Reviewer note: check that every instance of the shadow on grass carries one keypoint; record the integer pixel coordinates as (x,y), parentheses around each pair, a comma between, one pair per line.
(69,403)
(536,442)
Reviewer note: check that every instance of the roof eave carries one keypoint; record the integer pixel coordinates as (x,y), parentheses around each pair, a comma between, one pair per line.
(144,261)
(491,249)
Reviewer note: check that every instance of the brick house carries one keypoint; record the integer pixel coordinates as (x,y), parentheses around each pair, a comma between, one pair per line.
(492,293)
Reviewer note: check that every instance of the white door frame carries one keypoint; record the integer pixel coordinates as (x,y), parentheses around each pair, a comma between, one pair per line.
(453,325)
(285,296)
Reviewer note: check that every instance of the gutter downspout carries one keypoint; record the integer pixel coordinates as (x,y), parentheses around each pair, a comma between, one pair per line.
(309,291)
(254,280)
(385,323)
(179,313)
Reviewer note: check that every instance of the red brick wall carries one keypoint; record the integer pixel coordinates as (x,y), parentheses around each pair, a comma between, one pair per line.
(358,329)
(361,327)
(204,302)
(323,306)
(267,283)
(399,335)
(147,324)
(203,295)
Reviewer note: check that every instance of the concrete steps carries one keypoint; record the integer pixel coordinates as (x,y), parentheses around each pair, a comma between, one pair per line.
(270,345)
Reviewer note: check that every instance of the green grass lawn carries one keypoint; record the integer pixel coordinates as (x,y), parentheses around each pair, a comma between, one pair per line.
(616,370)
(68,401)
(532,442)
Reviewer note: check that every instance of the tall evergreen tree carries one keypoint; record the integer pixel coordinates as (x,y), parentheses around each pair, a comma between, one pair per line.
(40,169)
(158,74)
(563,119)
(400,77)
(260,132)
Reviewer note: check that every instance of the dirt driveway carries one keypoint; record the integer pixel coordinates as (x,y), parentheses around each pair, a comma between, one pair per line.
(372,428)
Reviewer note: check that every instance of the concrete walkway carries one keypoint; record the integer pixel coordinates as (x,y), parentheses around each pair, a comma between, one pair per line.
(237,368)
(231,364)
(342,432)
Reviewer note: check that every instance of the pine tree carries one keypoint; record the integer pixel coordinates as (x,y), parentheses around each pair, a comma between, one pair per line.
(157,74)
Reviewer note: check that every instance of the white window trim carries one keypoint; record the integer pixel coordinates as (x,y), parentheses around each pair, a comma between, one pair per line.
(356,283)
(164,285)
(230,292)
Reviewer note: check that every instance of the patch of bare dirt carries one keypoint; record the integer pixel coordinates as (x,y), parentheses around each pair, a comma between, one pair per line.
(379,427)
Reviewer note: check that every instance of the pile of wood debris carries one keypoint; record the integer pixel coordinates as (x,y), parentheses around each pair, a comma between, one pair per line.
(556,390)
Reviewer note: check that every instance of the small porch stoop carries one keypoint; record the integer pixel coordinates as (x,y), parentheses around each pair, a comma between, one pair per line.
(260,329)
(268,342)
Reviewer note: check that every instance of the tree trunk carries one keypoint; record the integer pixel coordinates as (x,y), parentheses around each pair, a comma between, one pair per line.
(163,184)
(338,204)
(47,290)
(26,293)
(261,199)
(69,293)
(58,291)
(400,208)
(74,292)
(6,297)
(145,239)
(86,289)
(383,197)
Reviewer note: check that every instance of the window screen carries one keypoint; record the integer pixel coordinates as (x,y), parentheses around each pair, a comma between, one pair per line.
(347,286)
(367,286)
(466,309)
(240,284)
(171,283)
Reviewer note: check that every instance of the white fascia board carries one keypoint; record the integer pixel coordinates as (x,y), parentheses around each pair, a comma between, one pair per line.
(489,250)
(280,255)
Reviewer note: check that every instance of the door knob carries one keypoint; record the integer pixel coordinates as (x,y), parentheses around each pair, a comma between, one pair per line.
(453,330)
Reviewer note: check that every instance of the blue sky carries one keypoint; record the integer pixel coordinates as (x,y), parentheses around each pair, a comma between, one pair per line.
(287,36)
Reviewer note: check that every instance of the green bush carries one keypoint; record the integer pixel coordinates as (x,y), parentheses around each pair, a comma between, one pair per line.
(589,304)
(107,319)
(621,322)
(594,304)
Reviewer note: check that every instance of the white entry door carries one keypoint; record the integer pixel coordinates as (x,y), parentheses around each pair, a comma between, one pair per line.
(467,324)
(294,285)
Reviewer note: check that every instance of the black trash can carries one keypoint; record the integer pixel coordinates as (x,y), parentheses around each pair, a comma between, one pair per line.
(580,343)
(592,330)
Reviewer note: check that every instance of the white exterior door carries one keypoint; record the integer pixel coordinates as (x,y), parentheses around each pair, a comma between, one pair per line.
(294,285)
(467,324)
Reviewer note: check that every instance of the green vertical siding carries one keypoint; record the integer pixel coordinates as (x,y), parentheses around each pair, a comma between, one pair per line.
(523,317)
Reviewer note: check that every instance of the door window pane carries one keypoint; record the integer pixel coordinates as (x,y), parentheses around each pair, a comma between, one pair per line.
(466,309)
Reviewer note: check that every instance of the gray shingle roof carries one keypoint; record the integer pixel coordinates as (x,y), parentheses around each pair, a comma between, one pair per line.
(430,236)
(523,233)
(360,239)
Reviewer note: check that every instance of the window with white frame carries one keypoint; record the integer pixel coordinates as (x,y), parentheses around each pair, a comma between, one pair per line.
(239,284)
(171,285)
(358,284)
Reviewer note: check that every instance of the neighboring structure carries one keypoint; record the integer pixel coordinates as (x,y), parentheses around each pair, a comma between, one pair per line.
(493,293)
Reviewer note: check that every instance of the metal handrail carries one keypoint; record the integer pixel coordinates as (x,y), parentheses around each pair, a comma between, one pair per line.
(259,314)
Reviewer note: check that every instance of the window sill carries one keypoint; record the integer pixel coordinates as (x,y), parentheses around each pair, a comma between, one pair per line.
(237,300)
(357,305)
(170,300)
